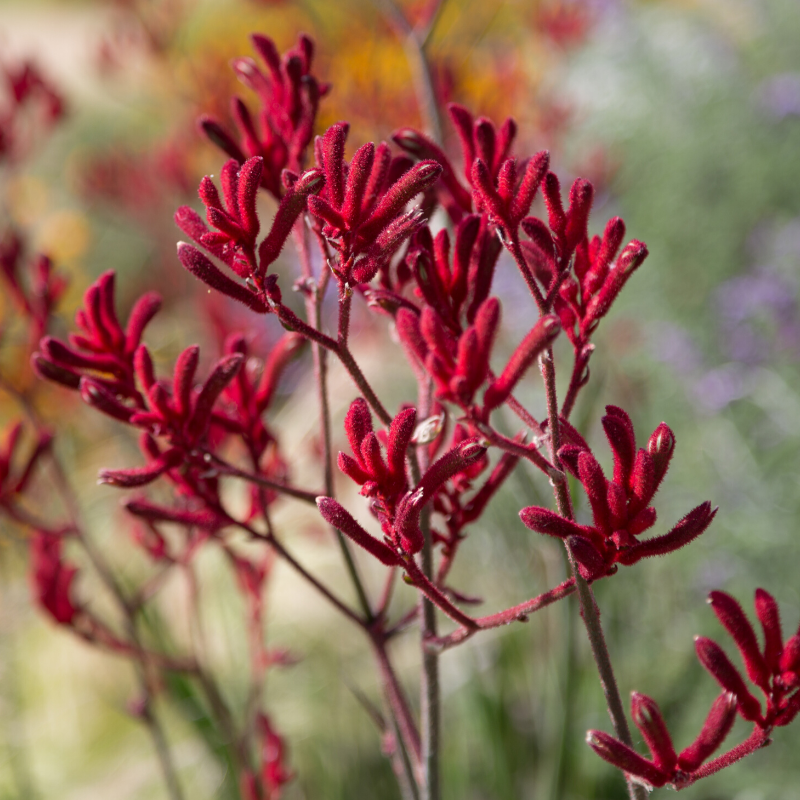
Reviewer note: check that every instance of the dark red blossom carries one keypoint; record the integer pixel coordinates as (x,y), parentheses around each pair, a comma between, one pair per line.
(32,106)
(665,766)
(362,209)
(508,198)
(502,187)
(52,577)
(16,471)
(598,273)
(234,242)
(289,95)
(103,352)
(458,364)
(773,668)
(537,340)
(382,479)
(621,509)
(455,284)
(34,286)
(400,524)
(233,215)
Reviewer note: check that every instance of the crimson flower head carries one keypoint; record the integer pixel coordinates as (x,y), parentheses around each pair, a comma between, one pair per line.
(100,359)
(289,95)
(621,507)
(458,364)
(599,269)
(362,208)
(383,479)
(480,140)
(178,412)
(15,472)
(253,389)
(35,287)
(233,216)
(402,536)
(665,765)
(501,186)
(237,224)
(52,577)
(773,668)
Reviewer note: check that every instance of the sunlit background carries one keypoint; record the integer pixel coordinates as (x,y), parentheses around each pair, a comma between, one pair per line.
(686,116)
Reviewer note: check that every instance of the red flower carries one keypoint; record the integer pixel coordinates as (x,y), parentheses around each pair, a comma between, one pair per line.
(103,352)
(289,96)
(52,577)
(362,208)
(621,507)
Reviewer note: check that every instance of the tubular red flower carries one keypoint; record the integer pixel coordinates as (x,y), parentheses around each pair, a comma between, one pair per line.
(661,446)
(141,476)
(623,757)
(52,577)
(713,658)
(336,515)
(202,268)
(689,528)
(648,719)
(769,617)
(619,432)
(717,726)
(538,339)
(542,520)
(733,618)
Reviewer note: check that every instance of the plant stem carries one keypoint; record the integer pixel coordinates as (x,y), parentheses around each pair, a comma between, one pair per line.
(224,468)
(414,46)
(517,613)
(589,610)
(299,568)
(758,738)
(320,355)
(513,246)
(430,699)
(530,452)
(398,704)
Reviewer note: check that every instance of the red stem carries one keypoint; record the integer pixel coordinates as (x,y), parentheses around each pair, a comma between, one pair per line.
(517,613)
(758,738)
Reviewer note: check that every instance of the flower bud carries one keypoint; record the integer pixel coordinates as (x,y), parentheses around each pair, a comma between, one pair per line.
(648,719)
(339,518)
(623,757)
(717,726)
(713,658)
(733,618)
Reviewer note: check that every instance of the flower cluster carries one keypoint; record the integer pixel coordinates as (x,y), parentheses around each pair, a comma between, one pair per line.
(101,360)
(237,227)
(621,509)
(32,104)
(289,95)
(402,535)
(429,471)
(114,373)
(775,669)
(36,288)
(362,205)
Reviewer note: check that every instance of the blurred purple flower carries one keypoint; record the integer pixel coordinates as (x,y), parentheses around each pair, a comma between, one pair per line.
(779,95)
(672,345)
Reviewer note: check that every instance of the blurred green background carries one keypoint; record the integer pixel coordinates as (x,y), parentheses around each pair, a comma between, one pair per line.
(687,117)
